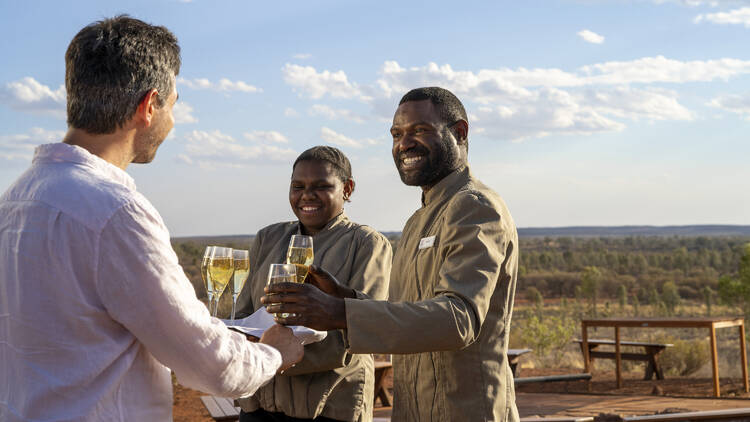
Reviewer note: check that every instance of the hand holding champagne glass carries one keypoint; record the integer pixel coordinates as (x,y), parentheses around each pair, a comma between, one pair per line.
(220,270)
(282,273)
(206,277)
(300,253)
(241,259)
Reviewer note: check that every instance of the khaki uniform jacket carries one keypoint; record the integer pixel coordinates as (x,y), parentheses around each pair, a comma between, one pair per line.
(329,381)
(450,302)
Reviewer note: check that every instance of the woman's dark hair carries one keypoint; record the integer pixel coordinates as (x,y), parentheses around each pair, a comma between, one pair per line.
(339,163)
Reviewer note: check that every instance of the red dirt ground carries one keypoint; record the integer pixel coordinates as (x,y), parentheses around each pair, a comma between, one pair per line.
(189,408)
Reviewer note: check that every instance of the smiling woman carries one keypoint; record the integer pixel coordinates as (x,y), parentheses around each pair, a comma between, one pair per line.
(329,383)
(321,183)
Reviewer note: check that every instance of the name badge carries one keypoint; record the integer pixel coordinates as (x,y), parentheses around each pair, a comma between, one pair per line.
(426,242)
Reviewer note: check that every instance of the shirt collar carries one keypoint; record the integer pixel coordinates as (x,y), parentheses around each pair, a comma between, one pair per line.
(447,186)
(64,153)
(335,221)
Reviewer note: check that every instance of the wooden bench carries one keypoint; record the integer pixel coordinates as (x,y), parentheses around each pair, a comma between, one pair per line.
(513,357)
(220,408)
(552,378)
(650,354)
(382,369)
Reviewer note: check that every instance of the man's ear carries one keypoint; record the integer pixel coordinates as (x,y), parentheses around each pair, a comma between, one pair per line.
(147,107)
(348,189)
(461,131)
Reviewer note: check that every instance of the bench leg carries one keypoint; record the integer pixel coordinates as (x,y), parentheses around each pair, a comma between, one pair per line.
(649,371)
(653,368)
(380,390)
(513,366)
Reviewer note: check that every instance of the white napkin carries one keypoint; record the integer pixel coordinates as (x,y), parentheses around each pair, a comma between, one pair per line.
(257,323)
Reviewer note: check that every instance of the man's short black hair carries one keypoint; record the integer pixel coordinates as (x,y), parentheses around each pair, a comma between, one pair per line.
(111,64)
(448,105)
(326,154)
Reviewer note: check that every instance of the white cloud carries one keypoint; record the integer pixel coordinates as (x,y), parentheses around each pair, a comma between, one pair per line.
(488,84)
(266,136)
(183,113)
(334,113)
(307,80)
(302,56)
(548,111)
(739,16)
(661,69)
(712,3)
(290,112)
(20,147)
(217,149)
(590,36)
(523,103)
(223,84)
(739,104)
(332,137)
(184,159)
(28,95)
(636,104)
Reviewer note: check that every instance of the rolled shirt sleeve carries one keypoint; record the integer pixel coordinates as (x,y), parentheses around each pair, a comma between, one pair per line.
(144,288)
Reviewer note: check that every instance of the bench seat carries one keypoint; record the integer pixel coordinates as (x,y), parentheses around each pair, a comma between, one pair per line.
(221,408)
(514,355)
(650,354)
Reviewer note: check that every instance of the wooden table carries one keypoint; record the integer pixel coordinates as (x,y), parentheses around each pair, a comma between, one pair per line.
(712,323)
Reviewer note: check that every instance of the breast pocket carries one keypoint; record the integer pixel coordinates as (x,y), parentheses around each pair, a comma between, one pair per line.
(427,265)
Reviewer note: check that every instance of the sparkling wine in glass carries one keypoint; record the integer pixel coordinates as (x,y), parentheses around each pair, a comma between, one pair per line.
(300,253)
(206,277)
(282,273)
(220,269)
(241,259)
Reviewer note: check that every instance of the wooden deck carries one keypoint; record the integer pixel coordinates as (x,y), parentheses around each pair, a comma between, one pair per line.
(574,406)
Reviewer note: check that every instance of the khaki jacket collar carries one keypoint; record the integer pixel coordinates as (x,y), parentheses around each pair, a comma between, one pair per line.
(335,221)
(448,186)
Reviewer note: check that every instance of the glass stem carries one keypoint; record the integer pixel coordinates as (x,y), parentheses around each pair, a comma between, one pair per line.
(234,305)
(210,303)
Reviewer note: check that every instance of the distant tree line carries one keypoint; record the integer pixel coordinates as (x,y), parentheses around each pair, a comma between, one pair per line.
(623,270)
(628,268)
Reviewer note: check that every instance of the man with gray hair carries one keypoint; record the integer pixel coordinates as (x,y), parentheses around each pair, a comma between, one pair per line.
(94,307)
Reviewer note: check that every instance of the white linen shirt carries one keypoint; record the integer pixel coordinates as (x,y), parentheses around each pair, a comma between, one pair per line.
(94,307)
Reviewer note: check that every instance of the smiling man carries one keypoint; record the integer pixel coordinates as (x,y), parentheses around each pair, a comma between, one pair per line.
(94,308)
(453,279)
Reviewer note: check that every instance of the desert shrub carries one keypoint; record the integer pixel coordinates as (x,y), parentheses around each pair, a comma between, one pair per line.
(685,357)
(535,298)
(670,296)
(548,337)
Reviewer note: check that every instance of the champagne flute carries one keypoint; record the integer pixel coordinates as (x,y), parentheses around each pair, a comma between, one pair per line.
(206,277)
(220,269)
(282,273)
(241,259)
(300,253)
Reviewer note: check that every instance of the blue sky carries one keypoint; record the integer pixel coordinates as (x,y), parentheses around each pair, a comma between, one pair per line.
(581,112)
